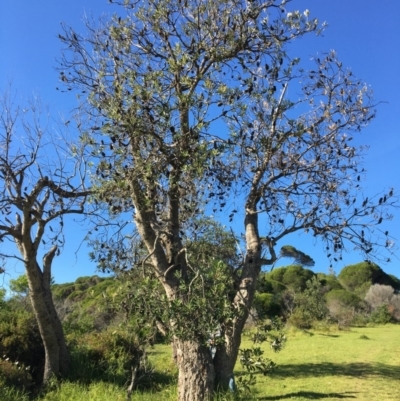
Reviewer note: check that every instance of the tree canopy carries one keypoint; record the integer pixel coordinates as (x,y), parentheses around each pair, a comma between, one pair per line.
(195,105)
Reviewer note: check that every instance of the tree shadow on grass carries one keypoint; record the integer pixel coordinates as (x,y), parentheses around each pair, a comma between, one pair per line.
(329,335)
(310,395)
(336,369)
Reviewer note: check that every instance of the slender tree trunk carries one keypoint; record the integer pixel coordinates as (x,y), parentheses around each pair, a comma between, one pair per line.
(64,358)
(45,323)
(196,371)
(51,332)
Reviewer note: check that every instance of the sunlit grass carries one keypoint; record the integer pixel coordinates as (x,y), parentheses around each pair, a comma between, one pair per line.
(362,364)
(105,392)
(336,365)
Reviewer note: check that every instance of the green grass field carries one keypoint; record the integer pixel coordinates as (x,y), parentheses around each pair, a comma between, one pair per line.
(360,364)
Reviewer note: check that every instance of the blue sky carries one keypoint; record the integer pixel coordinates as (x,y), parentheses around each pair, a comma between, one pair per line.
(365,35)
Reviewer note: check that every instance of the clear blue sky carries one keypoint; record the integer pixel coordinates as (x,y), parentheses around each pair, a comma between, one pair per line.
(365,34)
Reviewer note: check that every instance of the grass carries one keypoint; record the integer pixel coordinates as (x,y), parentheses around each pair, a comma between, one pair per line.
(336,366)
(317,365)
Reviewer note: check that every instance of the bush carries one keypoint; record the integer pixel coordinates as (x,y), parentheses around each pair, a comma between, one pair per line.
(310,305)
(378,295)
(104,356)
(345,298)
(381,315)
(20,342)
(301,319)
(267,305)
(14,374)
(344,307)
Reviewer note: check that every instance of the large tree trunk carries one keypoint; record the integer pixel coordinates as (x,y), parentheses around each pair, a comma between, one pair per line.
(226,355)
(196,371)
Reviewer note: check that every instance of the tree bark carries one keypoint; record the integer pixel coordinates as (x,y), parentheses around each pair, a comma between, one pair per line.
(51,332)
(196,371)
(226,356)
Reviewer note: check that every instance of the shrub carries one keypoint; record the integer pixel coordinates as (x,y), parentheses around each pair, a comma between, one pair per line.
(383,295)
(14,374)
(106,355)
(20,341)
(378,295)
(381,315)
(301,319)
(344,307)
(267,305)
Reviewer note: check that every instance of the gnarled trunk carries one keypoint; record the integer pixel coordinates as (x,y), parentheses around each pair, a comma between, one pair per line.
(196,371)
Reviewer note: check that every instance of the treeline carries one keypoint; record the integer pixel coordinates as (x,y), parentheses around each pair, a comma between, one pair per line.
(362,293)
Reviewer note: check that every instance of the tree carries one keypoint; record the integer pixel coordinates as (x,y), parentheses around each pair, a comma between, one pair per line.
(360,276)
(310,304)
(39,186)
(20,285)
(162,79)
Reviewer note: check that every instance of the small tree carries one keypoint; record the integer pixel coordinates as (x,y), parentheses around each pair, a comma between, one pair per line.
(20,285)
(159,77)
(310,305)
(38,187)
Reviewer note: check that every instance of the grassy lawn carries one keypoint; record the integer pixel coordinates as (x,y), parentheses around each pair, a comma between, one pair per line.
(335,366)
(360,364)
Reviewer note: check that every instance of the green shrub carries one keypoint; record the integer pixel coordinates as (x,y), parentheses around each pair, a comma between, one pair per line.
(267,305)
(106,355)
(381,315)
(301,319)
(20,340)
(345,298)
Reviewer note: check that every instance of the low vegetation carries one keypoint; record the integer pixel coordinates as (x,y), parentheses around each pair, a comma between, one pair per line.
(336,341)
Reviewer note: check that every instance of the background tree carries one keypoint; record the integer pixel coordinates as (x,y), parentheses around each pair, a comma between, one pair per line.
(162,79)
(20,286)
(360,276)
(38,187)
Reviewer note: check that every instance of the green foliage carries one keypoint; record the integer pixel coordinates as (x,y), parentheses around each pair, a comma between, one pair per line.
(310,305)
(20,345)
(8,393)
(20,285)
(253,360)
(205,302)
(329,281)
(299,257)
(269,283)
(86,305)
(381,315)
(359,277)
(108,355)
(345,298)
(293,277)
(267,305)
